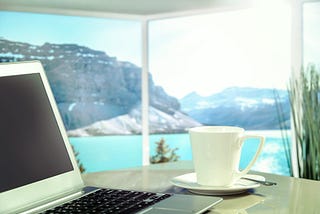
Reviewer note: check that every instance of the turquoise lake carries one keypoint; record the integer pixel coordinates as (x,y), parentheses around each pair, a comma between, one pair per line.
(117,152)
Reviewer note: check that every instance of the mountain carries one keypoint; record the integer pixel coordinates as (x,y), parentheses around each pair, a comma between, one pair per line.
(251,108)
(98,94)
(159,122)
(92,88)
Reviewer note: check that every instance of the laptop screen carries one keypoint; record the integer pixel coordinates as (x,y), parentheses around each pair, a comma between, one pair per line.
(32,147)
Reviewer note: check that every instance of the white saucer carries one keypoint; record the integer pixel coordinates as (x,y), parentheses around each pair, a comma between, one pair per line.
(189,181)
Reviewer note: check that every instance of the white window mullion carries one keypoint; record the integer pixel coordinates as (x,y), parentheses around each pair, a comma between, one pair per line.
(145,93)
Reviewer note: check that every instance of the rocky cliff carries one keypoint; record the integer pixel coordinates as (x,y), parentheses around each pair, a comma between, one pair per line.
(93,89)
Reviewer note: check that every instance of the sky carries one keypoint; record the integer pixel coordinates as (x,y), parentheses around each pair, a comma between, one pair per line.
(212,52)
(311,32)
(120,38)
(203,53)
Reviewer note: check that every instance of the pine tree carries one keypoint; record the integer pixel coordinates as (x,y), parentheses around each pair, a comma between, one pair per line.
(80,165)
(164,153)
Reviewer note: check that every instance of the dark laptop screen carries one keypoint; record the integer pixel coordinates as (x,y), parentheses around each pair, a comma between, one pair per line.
(31,146)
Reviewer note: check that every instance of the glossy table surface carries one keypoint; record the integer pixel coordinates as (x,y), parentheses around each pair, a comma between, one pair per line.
(290,195)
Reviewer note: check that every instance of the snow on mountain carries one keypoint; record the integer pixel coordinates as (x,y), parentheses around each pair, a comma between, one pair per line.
(130,123)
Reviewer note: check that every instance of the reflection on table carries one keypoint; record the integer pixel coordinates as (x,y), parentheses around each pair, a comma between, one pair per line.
(290,195)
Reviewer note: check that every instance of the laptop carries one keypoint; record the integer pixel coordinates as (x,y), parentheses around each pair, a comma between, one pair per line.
(38,169)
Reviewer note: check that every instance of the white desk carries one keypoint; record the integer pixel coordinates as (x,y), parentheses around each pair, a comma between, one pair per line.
(290,195)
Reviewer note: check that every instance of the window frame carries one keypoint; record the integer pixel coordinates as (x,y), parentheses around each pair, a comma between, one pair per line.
(296,53)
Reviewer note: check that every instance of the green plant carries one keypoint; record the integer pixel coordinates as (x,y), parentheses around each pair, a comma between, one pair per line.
(286,143)
(164,153)
(305,108)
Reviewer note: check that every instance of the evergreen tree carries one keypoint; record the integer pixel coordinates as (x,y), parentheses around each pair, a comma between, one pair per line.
(164,153)
(80,165)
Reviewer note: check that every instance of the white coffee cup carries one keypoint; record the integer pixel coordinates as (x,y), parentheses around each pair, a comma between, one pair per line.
(216,154)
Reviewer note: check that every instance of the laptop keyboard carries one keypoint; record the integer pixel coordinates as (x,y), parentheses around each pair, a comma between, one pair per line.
(111,201)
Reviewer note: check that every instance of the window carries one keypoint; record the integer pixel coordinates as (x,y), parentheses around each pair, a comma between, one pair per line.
(213,69)
(222,69)
(311,33)
(93,67)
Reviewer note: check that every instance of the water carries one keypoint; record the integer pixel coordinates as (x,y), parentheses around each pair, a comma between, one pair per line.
(117,152)
(108,152)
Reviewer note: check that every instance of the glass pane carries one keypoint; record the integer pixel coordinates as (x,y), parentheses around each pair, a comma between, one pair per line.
(311,33)
(222,69)
(93,66)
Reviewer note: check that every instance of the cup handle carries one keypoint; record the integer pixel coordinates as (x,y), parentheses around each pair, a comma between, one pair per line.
(238,175)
